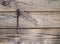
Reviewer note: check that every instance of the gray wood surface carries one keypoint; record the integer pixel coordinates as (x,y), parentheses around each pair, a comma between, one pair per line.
(32,5)
(37,20)
(46,33)
(40,21)
(33,20)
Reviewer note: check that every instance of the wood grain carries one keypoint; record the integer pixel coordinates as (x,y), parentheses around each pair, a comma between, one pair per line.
(41,5)
(44,33)
(39,20)
(33,5)
(7,19)
(44,19)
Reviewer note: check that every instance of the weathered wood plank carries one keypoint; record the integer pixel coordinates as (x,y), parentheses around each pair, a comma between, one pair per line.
(41,5)
(41,19)
(48,32)
(7,19)
(31,20)
(33,5)
(31,33)
(7,31)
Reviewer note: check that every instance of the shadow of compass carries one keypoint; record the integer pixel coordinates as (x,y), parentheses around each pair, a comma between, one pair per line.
(9,20)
